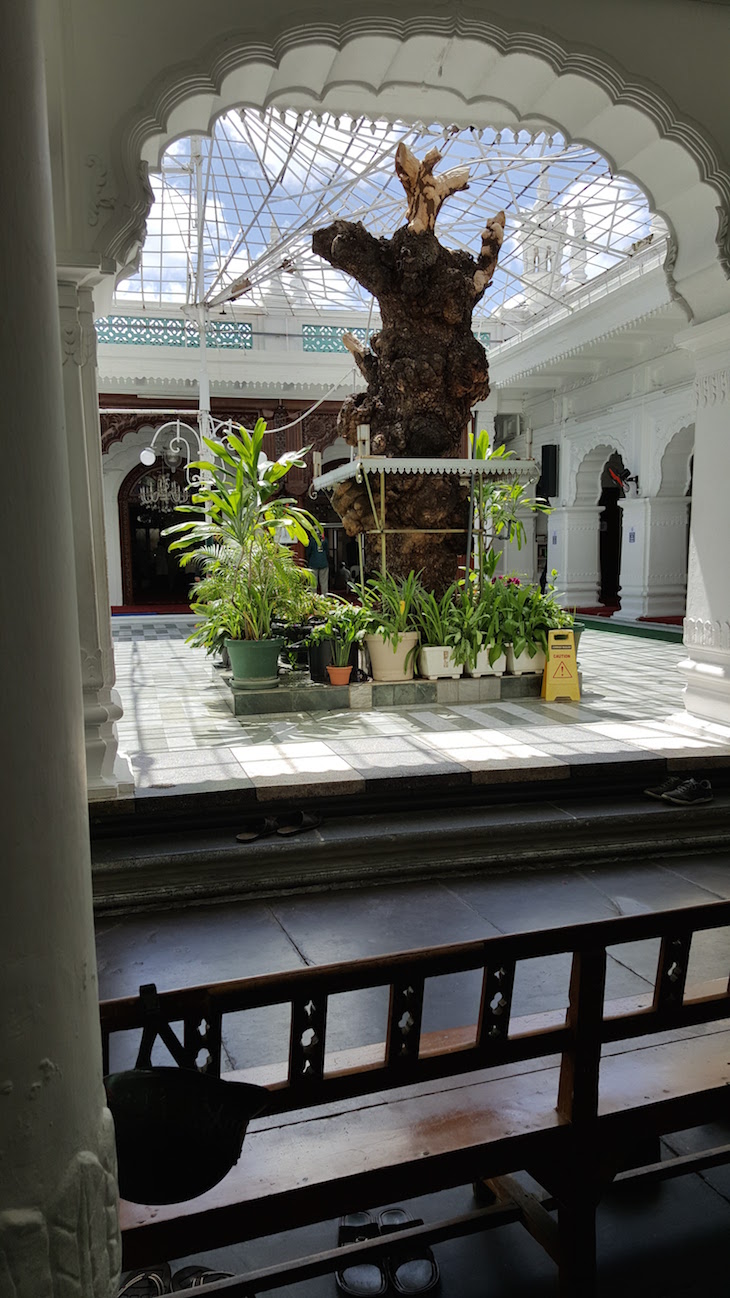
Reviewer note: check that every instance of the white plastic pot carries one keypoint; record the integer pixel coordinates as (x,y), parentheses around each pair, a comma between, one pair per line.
(524,665)
(482,666)
(388,662)
(436,662)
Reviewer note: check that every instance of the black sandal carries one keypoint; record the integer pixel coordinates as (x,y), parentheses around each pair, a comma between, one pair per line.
(360,1279)
(194,1277)
(259,827)
(414,1270)
(297,823)
(151,1283)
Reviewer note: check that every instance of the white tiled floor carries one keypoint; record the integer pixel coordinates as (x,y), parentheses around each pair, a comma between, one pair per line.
(178,732)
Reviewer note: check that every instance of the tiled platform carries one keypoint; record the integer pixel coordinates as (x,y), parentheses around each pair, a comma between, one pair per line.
(181,737)
(297,693)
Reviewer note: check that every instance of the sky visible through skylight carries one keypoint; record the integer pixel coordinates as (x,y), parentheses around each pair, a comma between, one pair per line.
(265,181)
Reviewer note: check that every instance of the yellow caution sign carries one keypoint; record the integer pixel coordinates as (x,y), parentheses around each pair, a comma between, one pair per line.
(560,678)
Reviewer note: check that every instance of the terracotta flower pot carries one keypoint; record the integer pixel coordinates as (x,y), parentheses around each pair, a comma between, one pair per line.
(339,675)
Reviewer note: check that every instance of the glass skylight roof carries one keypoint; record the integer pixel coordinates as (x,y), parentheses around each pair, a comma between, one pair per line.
(266,181)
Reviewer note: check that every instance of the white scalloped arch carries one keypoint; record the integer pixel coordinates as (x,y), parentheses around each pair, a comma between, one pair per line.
(457,69)
(676,462)
(587,489)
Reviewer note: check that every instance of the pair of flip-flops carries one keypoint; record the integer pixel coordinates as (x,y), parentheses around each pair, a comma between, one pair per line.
(262,826)
(411,1269)
(157,1280)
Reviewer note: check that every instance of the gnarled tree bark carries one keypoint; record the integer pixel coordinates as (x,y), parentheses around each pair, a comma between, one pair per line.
(424,369)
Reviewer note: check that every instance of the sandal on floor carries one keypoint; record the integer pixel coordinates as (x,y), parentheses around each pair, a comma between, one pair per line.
(151,1283)
(194,1277)
(361,1279)
(414,1270)
(297,823)
(259,827)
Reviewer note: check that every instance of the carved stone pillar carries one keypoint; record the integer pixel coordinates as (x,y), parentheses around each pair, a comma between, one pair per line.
(654,556)
(58,1229)
(573,550)
(108,772)
(707,623)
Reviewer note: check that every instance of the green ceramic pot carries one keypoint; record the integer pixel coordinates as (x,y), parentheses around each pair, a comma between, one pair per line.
(255,663)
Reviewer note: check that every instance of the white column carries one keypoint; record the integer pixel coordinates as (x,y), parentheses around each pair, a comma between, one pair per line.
(59,1235)
(108,772)
(654,557)
(573,549)
(707,623)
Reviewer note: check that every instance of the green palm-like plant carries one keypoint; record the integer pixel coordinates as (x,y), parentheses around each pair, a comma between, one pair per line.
(436,619)
(255,577)
(496,507)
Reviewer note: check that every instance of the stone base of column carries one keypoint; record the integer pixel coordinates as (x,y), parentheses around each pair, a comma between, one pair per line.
(655,604)
(706,669)
(70,1247)
(574,595)
(108,772)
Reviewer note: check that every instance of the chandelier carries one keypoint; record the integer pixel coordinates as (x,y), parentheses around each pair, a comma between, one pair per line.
(161,493)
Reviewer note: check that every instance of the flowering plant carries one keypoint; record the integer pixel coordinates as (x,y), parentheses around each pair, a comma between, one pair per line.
(527,615)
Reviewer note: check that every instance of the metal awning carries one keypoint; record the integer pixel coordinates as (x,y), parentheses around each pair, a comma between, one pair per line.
(517,470)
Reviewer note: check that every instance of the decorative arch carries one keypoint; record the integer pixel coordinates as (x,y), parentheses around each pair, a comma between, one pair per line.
(676,464)
(587,461)
(130,595)
(588,477)
(449,68)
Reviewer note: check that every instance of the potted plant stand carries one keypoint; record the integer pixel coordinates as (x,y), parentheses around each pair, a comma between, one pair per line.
(255,663)
(483,667)
(436,662)
(392,663)
(523,664)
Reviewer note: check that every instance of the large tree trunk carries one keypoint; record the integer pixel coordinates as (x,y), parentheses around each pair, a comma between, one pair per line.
(424,370)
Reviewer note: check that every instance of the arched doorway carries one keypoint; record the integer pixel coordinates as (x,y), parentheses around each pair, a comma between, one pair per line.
(610,532)
(151,575)
(597,510)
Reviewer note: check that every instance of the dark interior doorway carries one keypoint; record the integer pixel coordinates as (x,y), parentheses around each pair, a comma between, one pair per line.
(151,575)
(610,526)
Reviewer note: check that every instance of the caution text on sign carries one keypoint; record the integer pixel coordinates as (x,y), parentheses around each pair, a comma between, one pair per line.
(560,678)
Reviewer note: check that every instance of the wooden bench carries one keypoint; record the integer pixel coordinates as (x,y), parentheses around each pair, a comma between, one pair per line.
(568,1096)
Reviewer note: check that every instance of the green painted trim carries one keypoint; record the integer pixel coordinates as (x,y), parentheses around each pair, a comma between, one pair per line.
(645,630)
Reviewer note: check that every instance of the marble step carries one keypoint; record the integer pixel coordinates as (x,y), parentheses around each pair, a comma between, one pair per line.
(175,867)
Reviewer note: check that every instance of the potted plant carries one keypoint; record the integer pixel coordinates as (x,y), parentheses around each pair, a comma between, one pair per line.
(437,624)
(345,631)
(259,578)
(334,642)
(392,641)
(478,642)
(496,509)
(528,615)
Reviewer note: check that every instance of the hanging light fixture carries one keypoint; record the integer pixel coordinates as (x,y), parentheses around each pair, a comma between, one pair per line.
(163,493)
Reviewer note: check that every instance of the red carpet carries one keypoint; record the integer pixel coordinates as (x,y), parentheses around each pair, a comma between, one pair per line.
(151,609)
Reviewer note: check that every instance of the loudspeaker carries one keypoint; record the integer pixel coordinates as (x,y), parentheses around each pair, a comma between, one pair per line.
(548,484)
